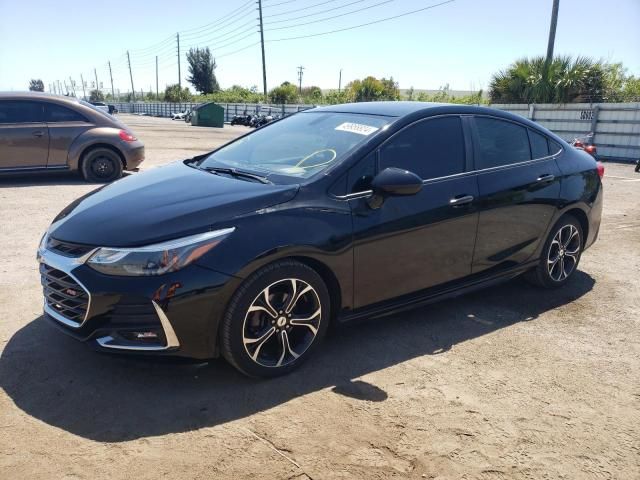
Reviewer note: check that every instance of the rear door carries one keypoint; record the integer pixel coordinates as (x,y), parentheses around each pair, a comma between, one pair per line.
(65,125)
(519,185)
(415,242)
(24,138)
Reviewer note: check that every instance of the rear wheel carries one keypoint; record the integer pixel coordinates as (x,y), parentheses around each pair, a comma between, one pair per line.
(101,165)
(275,320)
(560,256)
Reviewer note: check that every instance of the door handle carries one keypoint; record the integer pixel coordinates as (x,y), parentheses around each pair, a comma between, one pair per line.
(547,178)
(461,200)
(38,133)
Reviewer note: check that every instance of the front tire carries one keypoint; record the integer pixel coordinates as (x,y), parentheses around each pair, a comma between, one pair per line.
(560,255)
(275,320)
(101,165)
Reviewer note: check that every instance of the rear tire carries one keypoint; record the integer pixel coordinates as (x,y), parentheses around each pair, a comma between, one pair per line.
(101,165)
(560,256)
(275,320)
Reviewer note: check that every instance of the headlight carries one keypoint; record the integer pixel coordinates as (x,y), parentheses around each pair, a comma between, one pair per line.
(156,259)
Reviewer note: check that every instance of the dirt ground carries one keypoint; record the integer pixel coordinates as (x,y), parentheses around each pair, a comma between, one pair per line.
(508,383)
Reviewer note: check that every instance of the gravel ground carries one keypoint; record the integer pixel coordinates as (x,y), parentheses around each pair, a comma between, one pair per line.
(511,382)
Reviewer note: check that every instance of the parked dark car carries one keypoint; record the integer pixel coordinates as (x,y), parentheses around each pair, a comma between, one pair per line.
(42,133)
(333,214)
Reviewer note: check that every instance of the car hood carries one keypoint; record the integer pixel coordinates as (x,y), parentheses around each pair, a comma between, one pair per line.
(163,203)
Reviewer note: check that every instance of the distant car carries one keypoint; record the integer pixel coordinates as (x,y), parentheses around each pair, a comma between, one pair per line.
(180,115)
(42,132)
(101,106)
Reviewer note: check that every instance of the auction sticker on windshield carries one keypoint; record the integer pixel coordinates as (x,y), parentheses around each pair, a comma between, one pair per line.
(358,128)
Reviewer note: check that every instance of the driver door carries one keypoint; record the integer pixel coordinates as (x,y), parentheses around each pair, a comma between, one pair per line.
(415,242)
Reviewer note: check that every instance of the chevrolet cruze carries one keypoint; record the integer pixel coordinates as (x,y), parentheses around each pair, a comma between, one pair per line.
(329,215)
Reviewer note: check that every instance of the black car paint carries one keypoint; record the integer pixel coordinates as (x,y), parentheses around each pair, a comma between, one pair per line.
(374,260)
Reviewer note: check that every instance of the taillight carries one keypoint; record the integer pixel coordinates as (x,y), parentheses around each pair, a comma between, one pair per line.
(600,169)
(127,136)
(591,149)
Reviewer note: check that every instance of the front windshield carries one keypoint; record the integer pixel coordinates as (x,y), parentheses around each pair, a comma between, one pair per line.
(298,146)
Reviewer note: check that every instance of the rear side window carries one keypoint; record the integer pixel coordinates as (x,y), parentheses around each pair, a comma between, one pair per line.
(501,143)
(554,147)
(20,112)
(431,148)
(58,113)
(539,146)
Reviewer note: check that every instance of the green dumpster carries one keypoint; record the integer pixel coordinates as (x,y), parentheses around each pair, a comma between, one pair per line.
(208,115)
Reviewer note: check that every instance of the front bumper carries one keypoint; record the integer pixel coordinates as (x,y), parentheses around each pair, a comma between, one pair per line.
(171,314)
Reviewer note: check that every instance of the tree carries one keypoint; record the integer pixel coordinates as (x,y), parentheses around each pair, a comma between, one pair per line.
(372,89)
(285,93)
(36,85)
(96,96)
(563,80)
(202,68)
(312,95)
(173,93)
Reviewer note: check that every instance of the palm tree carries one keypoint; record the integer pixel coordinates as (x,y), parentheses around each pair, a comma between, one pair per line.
(563,80)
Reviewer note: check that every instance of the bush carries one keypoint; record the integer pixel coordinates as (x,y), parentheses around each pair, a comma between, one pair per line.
(96,96)
(173,93)
(285,93)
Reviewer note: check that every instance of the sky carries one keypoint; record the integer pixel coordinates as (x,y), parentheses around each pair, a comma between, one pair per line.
(460,43)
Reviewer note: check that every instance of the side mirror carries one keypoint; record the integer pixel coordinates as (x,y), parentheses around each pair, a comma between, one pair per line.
(393,182)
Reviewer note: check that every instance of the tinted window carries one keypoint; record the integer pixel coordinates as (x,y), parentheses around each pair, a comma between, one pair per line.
(431,148)
(554,147)
(501,143)
(58,113)
(539,147)
(20,112)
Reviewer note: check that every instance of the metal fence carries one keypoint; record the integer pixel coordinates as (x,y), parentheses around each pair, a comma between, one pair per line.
(616,126)
(165,109)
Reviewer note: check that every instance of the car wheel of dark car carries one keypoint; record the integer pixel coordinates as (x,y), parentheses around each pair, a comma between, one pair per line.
(561,254)
(101,165)
(276,319)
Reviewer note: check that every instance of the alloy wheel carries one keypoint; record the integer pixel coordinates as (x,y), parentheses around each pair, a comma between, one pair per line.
(282,322)
(564,253)
(103,167)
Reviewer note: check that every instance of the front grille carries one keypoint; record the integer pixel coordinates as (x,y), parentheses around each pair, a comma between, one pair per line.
(68,249)
(63,294)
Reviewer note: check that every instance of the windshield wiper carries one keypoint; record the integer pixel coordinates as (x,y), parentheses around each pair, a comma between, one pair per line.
(236,173)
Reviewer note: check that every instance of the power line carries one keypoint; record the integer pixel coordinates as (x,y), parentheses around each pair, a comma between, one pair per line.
(315,13)
(333,16)
(224,38)
(222,20)
(362,24)
(301,9)
(278,4)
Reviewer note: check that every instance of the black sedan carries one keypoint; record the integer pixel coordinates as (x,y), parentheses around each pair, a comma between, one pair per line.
(329,215)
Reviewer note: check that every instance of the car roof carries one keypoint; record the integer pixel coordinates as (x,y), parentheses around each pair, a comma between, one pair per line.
(389,109)
(416,110)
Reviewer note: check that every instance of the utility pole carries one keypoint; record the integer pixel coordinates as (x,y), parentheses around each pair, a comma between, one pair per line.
(157,93)
(340,81)
(552,31)
(73,87)
(133,91)
(179,74)
(264,66)
(59,87)
(113,92)
(95,72)
(84,92)
(300,69)
(65,87)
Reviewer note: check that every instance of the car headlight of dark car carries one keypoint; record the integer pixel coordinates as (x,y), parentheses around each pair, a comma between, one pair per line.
(156,259)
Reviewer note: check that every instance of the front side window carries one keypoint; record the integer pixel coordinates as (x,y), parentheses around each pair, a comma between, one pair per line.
(432,148)
(500,143)
(20,112)
(58,113)
(298,146)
